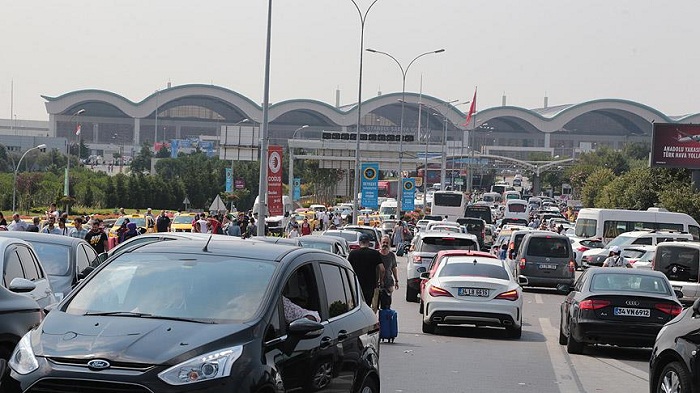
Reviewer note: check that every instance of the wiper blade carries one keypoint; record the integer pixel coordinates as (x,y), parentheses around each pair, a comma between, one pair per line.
(146,315)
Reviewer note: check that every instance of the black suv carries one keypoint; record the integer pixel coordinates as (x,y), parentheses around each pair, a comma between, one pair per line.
(475,226)
(673,364)
(206,315)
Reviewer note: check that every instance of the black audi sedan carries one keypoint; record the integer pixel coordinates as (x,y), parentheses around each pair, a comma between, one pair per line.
(673,364)
(616,306)
(208,316)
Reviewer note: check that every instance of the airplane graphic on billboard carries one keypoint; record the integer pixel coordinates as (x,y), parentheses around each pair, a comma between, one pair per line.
(685,138)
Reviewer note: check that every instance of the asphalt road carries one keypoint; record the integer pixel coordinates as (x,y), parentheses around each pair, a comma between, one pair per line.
(469,359)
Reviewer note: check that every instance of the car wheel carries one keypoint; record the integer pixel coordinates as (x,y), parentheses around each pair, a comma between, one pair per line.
(674,379)
(572,346)
(420,307)
(369,386)
(514,332)
(562,337)
(322,376)
(428,327)
(411,294)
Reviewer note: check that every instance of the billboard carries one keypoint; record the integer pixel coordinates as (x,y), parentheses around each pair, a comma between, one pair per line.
(408,195)
(274,181)
(370,180)
(675,146)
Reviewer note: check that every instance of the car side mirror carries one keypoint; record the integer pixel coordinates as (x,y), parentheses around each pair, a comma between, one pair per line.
(301,329)
(679,293)
(85,272)
(425,276)
(21,285)
(564,289)
(523,281)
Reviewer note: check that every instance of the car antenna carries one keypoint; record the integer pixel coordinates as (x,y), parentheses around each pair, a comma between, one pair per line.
(206,246)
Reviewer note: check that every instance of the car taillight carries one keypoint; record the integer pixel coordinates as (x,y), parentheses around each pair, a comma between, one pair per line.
(510,295)
(437,291)
(523,261)
(572,266)
(670,309)
(354,246)
(593,304)
(582,249)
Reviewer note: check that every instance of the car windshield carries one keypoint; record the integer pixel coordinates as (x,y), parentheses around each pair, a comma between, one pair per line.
(603,282)
(183,220)
(55,258)
(464,266)
(678,263)
(199,287)
(548,247)
(435,244)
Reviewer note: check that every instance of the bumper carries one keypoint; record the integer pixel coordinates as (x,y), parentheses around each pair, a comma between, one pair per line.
(457,312)
(615,333)
(552,282)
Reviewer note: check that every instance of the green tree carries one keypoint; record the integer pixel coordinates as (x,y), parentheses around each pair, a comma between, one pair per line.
(594,185)
(142,161)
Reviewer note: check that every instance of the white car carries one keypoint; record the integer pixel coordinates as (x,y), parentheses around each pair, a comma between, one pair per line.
(473,291)
(639,256)
(581,245)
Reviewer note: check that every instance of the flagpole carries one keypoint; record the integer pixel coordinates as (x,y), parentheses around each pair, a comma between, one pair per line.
(470,116)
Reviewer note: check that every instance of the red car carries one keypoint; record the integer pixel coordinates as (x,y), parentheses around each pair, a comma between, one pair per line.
(440,257)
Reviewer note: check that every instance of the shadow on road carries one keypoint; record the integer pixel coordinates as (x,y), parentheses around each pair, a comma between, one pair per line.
(618,353)
(545,291)
(486,333)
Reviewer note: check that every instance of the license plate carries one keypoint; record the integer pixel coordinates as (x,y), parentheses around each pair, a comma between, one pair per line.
(480,292)
(632,312)
(549,266)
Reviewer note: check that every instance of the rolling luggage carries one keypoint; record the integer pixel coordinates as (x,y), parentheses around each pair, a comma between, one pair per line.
(388,325)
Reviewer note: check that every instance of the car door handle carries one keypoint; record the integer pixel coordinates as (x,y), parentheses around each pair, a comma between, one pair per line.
(342,335)
(325,342)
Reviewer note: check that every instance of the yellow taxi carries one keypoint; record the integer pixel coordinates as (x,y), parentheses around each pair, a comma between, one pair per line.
(139,219)
(182,222)
(374,219)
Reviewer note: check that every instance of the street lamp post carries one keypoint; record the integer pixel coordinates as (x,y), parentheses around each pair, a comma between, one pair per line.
(262,189)
(404,71)
(291,164)
(66,184)
(14,182)
(356,189)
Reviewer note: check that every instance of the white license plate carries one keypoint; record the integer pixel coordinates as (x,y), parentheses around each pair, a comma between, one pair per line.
(632,312)
(480,292)
(549,266)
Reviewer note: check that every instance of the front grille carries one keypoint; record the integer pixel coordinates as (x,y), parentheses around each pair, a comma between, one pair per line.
(52,385)
(113,365)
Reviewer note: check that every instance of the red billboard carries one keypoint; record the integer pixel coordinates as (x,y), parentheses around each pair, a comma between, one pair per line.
(274,181)
(675,146)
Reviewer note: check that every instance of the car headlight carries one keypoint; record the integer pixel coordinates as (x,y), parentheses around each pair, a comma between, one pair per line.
(23,360)
(205,367)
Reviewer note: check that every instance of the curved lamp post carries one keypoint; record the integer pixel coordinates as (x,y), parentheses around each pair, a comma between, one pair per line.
(14,182)
(291,164)
(66,184)
(404,71)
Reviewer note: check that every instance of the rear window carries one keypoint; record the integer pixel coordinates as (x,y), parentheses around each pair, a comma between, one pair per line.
(349,236)
(629,282)
(677,263)
(450,200)
(548,247)
(435,244)
(474,269)
(483,212)
(517,207)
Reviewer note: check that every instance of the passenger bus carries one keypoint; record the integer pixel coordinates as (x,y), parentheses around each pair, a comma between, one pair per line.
(449,203)
(607,224)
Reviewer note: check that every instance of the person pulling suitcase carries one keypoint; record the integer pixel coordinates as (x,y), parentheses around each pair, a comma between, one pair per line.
(388,319)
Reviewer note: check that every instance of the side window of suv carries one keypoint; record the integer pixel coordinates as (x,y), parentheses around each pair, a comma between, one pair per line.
(29,264)
(646,240)
(301,289)
(12,268)
(338,294)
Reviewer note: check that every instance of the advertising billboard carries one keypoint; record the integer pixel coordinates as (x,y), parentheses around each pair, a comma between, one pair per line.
(274,181)
(370,185)
(675,146)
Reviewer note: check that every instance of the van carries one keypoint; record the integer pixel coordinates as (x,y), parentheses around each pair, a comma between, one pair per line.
(516,208)
(680,261)
(547,260)
(492,198)
(511,195)
(479,211)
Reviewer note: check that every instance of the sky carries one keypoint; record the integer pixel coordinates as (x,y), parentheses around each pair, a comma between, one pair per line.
(571,51)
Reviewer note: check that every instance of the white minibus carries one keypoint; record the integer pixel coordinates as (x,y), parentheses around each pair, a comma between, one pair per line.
(607,224)
(450,204)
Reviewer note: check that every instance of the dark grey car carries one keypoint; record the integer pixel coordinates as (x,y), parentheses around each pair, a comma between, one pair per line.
(19,315)
(547,260)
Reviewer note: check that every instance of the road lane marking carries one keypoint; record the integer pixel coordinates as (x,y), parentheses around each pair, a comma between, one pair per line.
(567,380)
(538,298)
(625,368)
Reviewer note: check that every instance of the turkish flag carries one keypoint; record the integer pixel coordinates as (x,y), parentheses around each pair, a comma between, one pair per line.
(472,109)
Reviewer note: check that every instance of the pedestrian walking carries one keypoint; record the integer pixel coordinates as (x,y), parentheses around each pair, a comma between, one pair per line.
(368,265)
(34,226)
(294,232)
(163,222)
(50,226)
(391,275)
(305,227)
(97,237)
(78,230)
(17,224)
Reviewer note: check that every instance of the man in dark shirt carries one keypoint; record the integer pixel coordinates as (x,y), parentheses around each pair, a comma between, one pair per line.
(97,237)
(163,222)
(367,262)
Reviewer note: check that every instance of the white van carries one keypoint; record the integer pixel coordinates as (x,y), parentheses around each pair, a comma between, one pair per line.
(511,195)
(492,198)
(388,208)
(607,224)
(517,208)
(277,224)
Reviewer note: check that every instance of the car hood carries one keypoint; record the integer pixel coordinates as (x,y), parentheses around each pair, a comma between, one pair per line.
(127,339)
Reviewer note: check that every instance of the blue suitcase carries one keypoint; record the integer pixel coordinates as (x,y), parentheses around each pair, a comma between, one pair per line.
(388,325)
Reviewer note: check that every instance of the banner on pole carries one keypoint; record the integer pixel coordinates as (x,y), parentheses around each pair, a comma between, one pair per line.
(409,194)
(274,181)
(297,189)
(229,180)
(370,184)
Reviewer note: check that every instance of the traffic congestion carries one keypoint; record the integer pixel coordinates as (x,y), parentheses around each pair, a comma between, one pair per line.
(176,301)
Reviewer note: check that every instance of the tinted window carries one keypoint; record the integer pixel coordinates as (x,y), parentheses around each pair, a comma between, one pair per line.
(31,270)
(450,200)
(55,258)
(548,247)
(516,207)
(677,263)
(82,260)
(435,244)
(602,282)
(473,269)
(643,240)
(13,268)
(198,286)
(336,293)
(349,283)
(302,289)
(483,212)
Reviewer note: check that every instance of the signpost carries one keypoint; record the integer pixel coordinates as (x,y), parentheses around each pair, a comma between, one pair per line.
(408,195)
(370,185)
(297,189)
